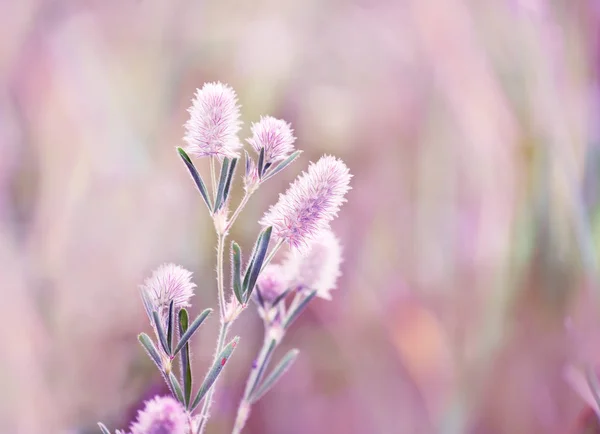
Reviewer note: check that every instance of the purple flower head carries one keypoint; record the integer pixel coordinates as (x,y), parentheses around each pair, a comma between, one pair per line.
(320,268)
(169,282)
(272,281)
(161,415)
(275,136)
(310,203)
(214,122)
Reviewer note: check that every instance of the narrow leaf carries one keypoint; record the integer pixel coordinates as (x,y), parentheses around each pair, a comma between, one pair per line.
(264,357)
(103,428)
(259,297)
(196,177)
(170,326)
(222,181)
(275,375)
(261,162)
(232,167)
(298,310)
(147,303)
(186,367)
(162,337)
(261,253)
(280,297)
(251,263)
(247,161)
(193,327)
(236,258)
(176,388)
(214,372)
(285,163)
(150,348)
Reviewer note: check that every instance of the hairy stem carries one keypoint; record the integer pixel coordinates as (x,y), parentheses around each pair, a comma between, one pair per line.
(238,210)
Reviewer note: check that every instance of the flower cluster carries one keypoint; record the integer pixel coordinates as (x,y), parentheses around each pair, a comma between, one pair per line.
(300,219)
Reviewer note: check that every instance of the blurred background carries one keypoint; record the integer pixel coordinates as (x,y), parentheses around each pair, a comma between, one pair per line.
(471,277)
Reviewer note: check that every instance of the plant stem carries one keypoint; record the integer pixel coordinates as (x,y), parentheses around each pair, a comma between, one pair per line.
(238,210)
(224,329)
(271,255)
(258,369)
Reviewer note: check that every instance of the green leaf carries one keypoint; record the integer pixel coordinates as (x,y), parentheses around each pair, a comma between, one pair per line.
(193,327)
(170,326)
(214,372)
(147,303)
(236,259)
(280,297)
(298,310)
(176,388)
(196,177)
(275,375)
(103,428)
(264,358)
(261,162)
(186,367)
(222,181)
(232,167)
(285,163)
(259,257)
(150,349)
(162,337)
(247,161)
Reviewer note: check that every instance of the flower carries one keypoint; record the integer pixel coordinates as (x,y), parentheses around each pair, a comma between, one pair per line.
(320,269)
(275,136)
(214,122)
(310,203)
(272,281)
(161,415)
(168,282)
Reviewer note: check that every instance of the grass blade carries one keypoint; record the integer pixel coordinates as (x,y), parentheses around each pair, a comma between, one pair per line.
(222,181)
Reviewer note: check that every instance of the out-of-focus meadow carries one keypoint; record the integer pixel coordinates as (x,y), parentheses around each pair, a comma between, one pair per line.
(470,281)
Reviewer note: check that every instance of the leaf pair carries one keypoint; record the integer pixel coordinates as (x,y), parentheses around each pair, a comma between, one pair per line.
(243,288)
(266,170)
(281,368)
(225,178)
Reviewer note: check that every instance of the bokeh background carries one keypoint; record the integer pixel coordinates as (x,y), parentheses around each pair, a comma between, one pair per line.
(470,280)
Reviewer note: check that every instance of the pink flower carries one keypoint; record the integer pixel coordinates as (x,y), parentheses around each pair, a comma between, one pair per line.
(275,136)
(214,122)
(272,282)
(310,203)
(169,282)
(320,268)
(161,415)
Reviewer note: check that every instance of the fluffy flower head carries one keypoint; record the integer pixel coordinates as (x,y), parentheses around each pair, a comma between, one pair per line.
(214,122)
(320,268)
(275,136)
(310,203)
(272,281)
(161,415)
(169,282)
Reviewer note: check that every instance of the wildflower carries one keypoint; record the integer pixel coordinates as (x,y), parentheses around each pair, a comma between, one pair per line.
(214,122)
(161,415)
(169,282)
(310,203)
(320,269)
(272,281)
(275,136)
